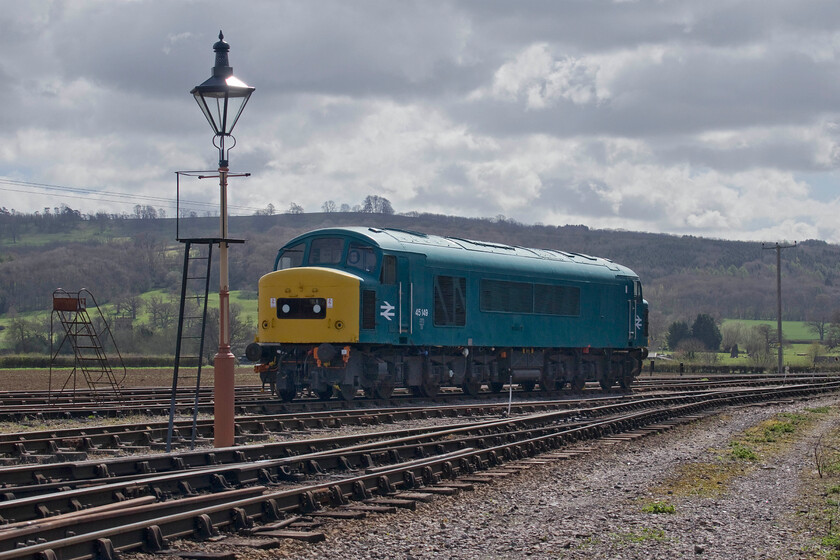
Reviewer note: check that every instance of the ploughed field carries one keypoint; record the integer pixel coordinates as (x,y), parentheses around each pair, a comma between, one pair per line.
(22,379)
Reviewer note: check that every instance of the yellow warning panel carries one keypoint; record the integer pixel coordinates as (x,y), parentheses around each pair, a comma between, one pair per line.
(308,305)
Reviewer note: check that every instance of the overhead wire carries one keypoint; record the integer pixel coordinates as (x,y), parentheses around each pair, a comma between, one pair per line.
(107,196)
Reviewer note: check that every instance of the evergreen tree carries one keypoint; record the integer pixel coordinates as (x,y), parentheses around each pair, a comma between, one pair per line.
(677,332)
(706,331)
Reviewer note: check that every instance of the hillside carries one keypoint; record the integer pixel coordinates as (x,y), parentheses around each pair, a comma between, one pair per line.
(682,275)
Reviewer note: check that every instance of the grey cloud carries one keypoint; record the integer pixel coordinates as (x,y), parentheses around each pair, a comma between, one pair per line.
(322,68)
(778,153)
(583,197)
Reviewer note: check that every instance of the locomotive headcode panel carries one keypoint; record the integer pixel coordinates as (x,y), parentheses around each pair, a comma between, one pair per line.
(370,309)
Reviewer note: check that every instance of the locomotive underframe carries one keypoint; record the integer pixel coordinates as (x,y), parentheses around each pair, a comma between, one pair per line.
(377,369)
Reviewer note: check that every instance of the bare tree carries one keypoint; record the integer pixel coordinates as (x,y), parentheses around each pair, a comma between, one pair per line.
(375,204)
(162,312)
(294,208)
(328,206)
(27,335)
(241,332)
(819,327)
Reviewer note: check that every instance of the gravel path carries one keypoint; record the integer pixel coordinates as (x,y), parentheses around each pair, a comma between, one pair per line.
(591,507)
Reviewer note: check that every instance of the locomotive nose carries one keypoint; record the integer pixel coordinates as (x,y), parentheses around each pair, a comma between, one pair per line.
(309,304)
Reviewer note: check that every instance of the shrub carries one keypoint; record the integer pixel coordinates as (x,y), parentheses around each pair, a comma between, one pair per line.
(659,507)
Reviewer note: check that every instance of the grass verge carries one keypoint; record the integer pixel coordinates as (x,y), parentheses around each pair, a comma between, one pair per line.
(740,456)
(819,508)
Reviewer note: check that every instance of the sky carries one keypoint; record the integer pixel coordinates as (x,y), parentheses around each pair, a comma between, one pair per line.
(714,118)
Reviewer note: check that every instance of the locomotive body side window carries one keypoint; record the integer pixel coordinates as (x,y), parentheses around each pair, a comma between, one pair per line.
(326,250)
(291,257)
(637,290)
(361,256)
(450,301)
(389,270)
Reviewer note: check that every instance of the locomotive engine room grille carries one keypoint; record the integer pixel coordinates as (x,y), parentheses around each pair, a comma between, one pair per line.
(301,308)
(523,297)
(368,309)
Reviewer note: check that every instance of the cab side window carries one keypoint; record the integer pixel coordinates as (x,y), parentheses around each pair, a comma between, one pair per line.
(361,256)
(326,250)
(291,257)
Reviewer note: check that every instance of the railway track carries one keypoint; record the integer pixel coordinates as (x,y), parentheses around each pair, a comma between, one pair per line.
(76,444)
(17,406)
(253,424)
(132,503)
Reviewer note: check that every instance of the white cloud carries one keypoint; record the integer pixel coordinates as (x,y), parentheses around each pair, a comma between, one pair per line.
(712,118)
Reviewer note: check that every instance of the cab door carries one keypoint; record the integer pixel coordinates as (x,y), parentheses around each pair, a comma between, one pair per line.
(395,296)
(405,296)
(636,315)
(388,302)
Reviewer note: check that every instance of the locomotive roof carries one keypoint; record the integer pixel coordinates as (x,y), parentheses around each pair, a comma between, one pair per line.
(458,251)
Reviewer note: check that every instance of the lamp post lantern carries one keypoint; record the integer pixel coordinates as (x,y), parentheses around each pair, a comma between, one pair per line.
(222,97)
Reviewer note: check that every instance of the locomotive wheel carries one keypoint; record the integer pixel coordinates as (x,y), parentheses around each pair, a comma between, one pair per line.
(429,388)
(471,387)
(528,386)
(496,386)
(324,394)
(383,389)
(347,391)
(548,383)
(605,384)
(578,383)
(286,389)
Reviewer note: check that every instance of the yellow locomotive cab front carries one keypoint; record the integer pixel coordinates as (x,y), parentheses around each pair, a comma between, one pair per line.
(308,305)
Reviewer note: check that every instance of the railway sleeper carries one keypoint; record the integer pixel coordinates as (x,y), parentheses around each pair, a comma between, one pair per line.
(360,491)
(204,529)
(409,479)
(429,477)
(313,467)
(271,511)
(153,540)
(104,550)
(395,502)
(384,485)
(337,497)
(218,483)
(265,477)
(185,488)
(308,502)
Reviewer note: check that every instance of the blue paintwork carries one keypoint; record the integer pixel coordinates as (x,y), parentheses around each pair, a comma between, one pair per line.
(610,316)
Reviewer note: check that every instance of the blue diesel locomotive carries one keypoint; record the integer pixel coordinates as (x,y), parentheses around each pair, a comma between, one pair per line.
(374,309)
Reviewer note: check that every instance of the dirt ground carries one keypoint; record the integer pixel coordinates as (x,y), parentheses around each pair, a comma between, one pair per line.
(42,380)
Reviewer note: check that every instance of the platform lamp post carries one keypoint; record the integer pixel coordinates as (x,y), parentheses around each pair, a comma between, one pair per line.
(222,98)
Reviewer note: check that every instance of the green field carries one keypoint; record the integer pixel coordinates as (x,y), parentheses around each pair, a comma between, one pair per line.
(791,330)
(246,302)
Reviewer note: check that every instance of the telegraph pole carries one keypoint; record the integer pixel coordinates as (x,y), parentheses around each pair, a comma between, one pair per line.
(778,247)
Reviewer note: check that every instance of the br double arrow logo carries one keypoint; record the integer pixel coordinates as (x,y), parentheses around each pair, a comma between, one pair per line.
(387,310)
